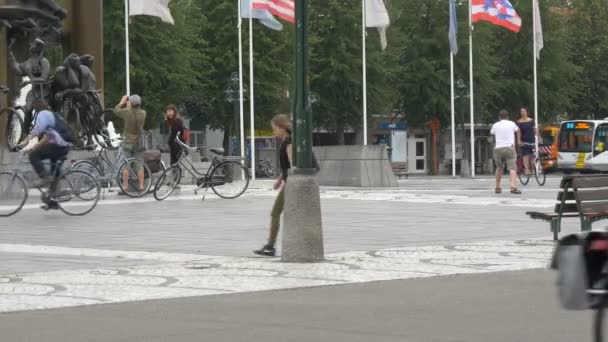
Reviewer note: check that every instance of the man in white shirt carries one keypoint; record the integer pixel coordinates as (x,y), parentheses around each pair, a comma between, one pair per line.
(504,132)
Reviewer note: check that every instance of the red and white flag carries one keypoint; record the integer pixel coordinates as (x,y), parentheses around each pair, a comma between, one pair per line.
(498,12)
(284,9)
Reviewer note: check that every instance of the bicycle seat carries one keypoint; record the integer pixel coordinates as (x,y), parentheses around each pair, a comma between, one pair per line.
(219,151)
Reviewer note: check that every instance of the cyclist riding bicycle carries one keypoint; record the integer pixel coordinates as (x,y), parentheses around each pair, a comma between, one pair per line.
(55,141)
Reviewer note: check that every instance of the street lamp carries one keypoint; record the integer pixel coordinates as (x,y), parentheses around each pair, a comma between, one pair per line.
(232,96)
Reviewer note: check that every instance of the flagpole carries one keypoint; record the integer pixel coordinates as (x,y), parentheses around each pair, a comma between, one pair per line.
(472,167)
(364,59)
(251,97)
(534,57)
(127,57)
(241,99)
(453,114)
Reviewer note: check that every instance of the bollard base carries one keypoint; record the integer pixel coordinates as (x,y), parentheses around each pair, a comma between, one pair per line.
(302,232)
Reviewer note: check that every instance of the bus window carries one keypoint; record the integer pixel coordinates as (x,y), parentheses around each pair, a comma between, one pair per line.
(576,137)
(601,139)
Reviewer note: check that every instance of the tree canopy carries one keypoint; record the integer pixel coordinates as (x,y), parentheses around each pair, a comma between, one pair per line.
(190,63)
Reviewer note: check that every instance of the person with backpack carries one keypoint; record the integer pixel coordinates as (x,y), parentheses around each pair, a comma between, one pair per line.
(176,130)
(133,145)
(281,128)
(55,141)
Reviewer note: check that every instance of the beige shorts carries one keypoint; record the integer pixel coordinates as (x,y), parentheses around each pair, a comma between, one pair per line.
(505,156)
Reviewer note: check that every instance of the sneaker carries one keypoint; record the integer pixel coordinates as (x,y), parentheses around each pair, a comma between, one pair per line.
(266,251)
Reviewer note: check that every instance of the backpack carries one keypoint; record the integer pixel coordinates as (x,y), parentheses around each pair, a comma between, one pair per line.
(186,135)
(63,129)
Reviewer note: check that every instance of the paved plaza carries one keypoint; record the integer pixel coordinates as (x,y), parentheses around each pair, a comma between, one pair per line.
(436,259)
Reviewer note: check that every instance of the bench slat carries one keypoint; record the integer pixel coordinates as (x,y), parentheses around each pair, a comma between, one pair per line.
(567,208)
(591,182)
(569,196)
(592,195)
(594,207)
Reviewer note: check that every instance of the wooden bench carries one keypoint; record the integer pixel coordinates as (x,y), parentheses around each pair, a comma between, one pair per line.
(568,206)
(591,194)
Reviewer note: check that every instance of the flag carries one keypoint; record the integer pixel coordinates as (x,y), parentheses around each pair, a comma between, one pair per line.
(262,15)
(453,33)
(284,9)
(156,8)
(377,16)
(538,29)
(498,12)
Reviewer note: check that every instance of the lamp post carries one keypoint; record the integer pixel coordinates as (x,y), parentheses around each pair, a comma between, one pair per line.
(464,161)
(302,235)
(232,96)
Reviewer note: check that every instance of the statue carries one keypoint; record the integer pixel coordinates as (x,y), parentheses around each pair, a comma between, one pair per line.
(37,69)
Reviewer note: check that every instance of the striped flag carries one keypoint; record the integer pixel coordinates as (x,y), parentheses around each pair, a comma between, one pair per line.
(284,9)
(497,12)
(262,15)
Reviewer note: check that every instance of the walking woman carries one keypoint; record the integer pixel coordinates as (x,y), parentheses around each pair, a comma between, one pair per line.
(281,129)
(527,128)
(176,129)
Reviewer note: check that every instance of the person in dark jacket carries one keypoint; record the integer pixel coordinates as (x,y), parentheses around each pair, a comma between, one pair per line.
(281,128)
(176,129)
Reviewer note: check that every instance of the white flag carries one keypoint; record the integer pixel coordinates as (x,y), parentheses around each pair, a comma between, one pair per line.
(155,8)
(377,16)
(538,32)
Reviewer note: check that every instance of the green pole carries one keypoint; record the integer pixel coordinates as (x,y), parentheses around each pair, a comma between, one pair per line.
(302,139)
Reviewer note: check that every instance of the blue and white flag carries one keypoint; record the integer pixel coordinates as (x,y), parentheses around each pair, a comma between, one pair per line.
(453,34)
(262,15)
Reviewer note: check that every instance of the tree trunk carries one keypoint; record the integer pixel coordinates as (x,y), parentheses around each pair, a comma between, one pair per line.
(226,142)
(340,135)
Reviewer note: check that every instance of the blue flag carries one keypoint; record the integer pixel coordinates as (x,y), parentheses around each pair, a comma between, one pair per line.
(453,34)
(262,15)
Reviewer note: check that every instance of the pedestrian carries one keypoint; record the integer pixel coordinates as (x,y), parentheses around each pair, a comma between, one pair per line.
(528,135)
(134,118)
(281,129)
(504,132)
(176,130)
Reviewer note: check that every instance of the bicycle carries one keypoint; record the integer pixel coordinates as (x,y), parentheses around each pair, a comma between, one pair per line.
(222,175)
(265,169)
(15,132)
(109,172)
(74,192)
(536,168)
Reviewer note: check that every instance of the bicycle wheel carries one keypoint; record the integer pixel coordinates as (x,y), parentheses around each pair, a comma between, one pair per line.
(523,178)
(539,173)
(15,132)
(229,179)
(132,168)
(271,171)
(167,182)
(13,193)
(598,320)
(77,193)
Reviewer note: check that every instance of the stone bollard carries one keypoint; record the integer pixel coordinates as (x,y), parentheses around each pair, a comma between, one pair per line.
(302,232)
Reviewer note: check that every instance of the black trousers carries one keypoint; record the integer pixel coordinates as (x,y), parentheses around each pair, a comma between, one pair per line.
(174,151)
(43,152)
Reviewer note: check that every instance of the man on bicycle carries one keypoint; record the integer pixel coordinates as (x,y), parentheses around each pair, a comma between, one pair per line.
(54,141)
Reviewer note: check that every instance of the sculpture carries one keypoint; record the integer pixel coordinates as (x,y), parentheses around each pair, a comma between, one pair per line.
(37,69)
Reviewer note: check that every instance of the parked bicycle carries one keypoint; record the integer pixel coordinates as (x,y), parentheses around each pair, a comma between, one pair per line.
(265,169)
(109,171)
(75,192)
(535,168)
(15,129)
(227,178)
